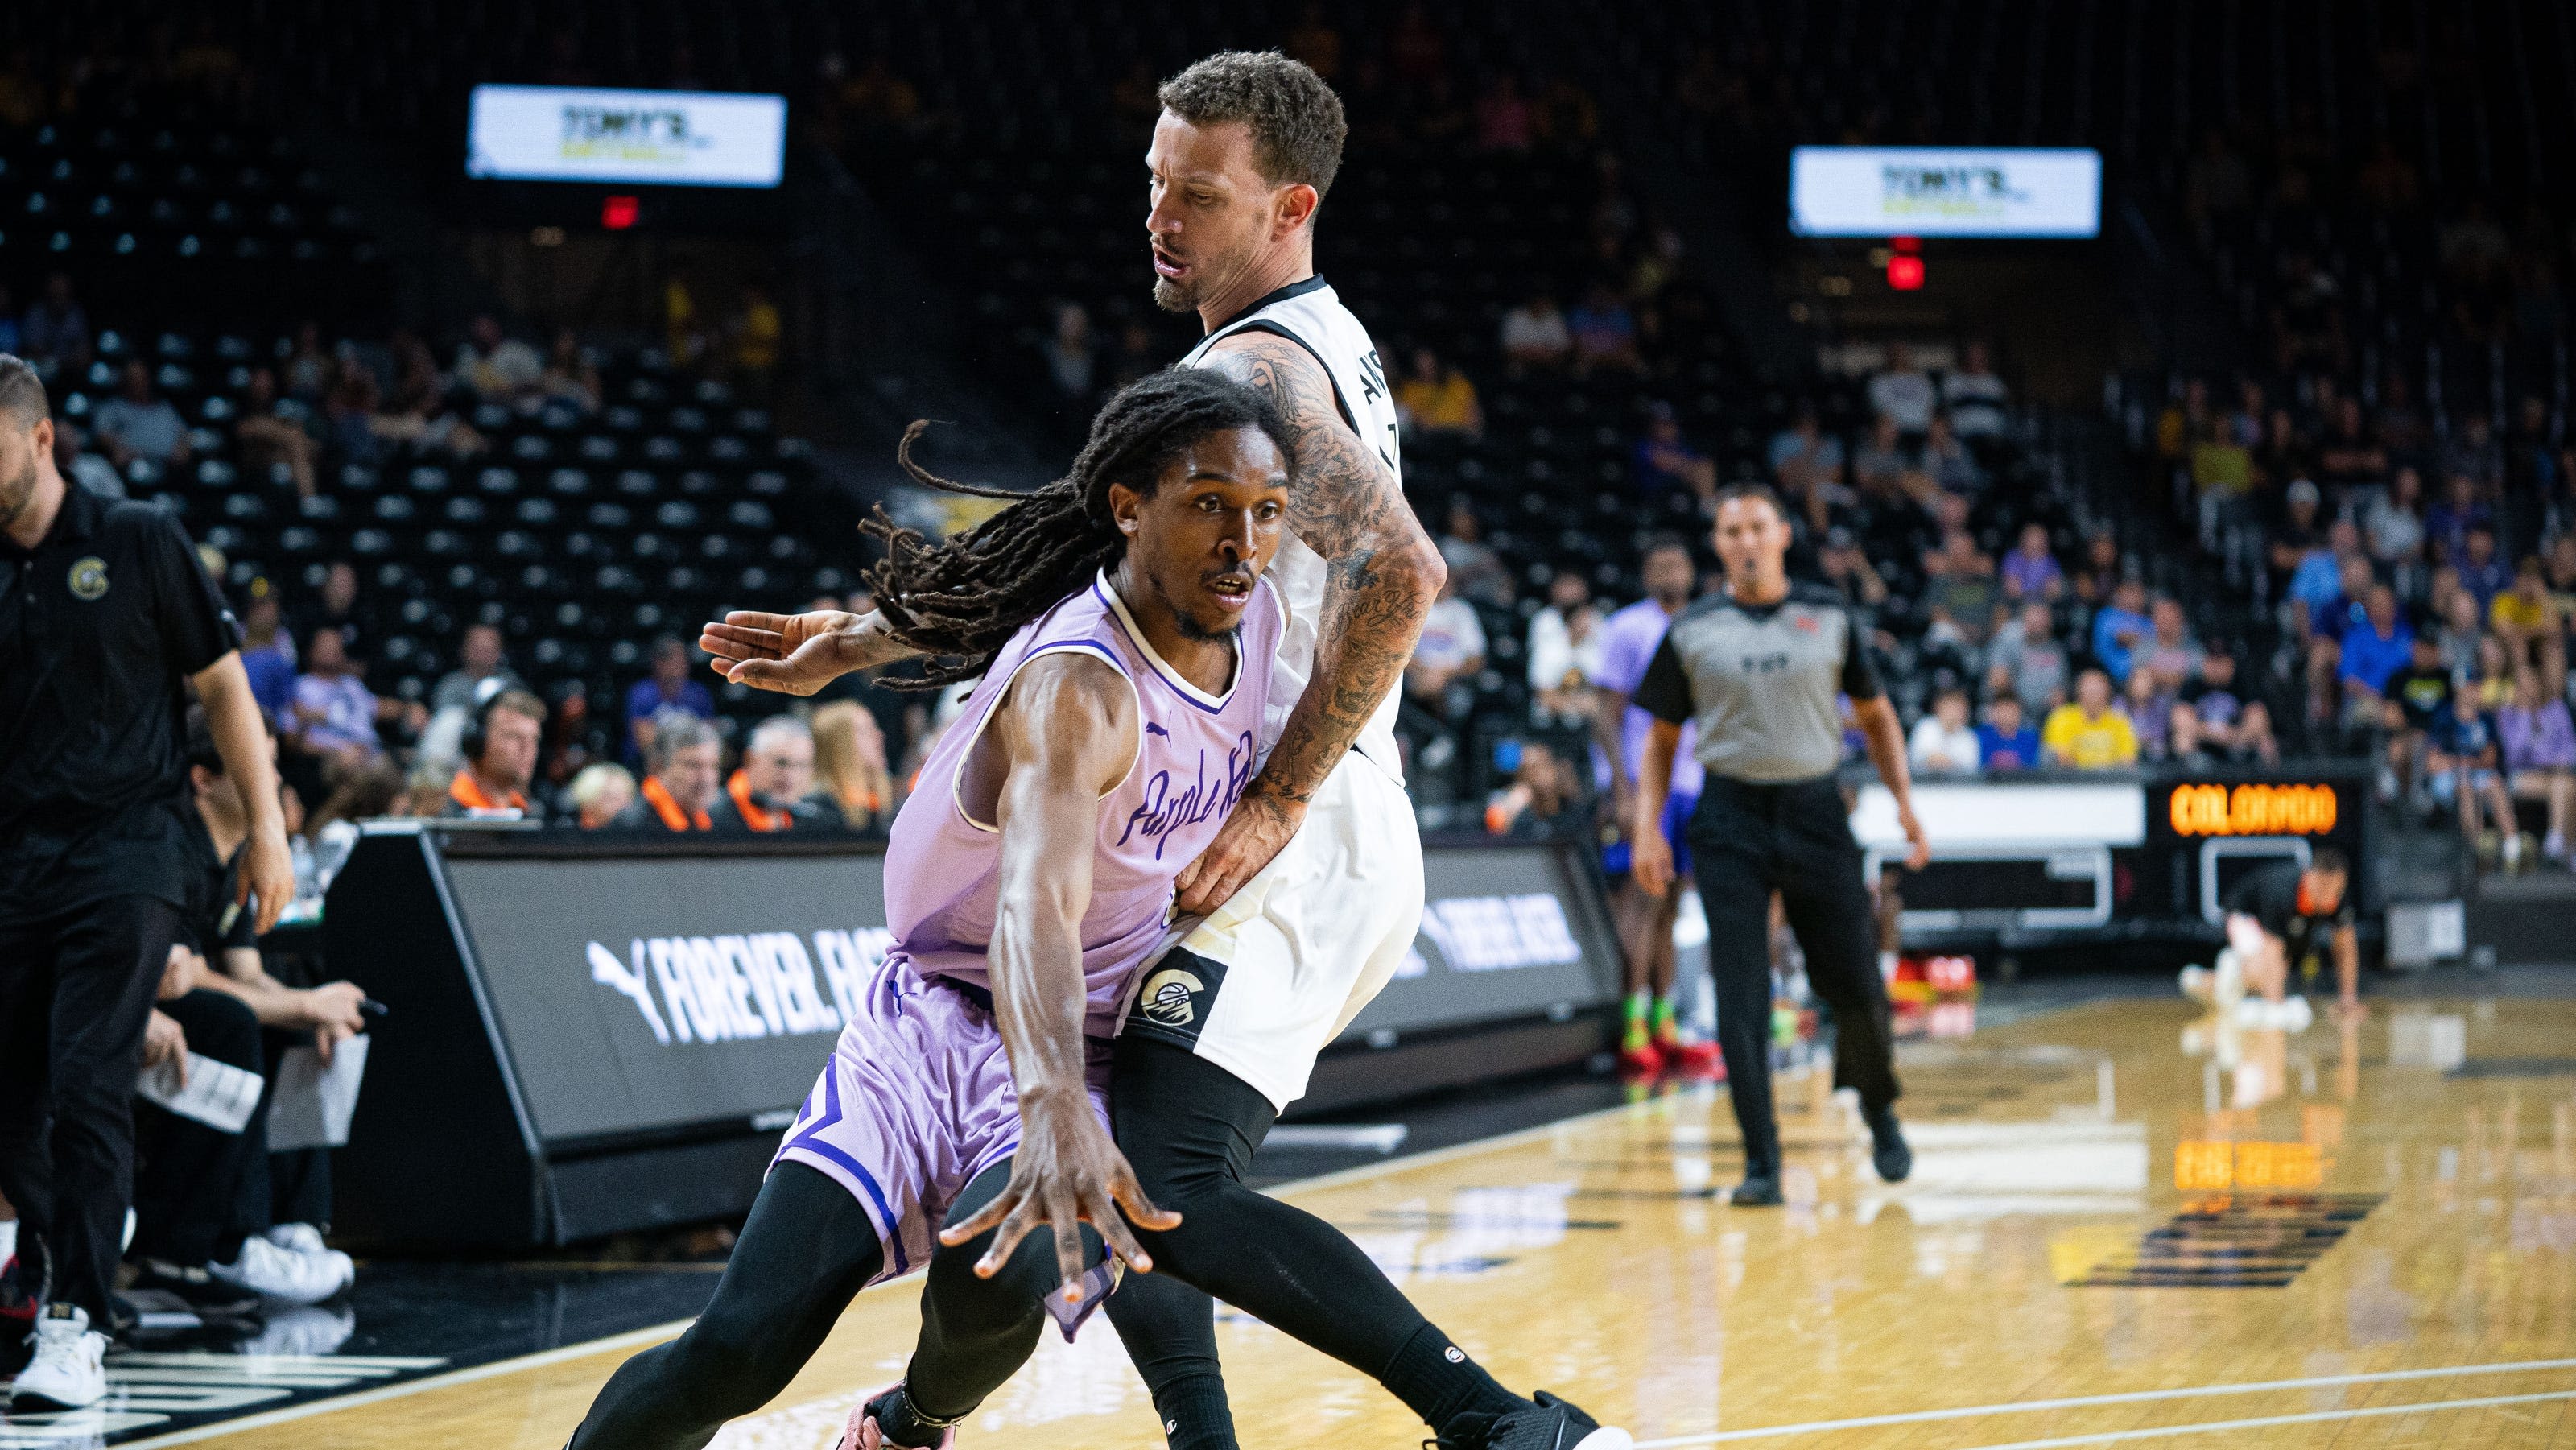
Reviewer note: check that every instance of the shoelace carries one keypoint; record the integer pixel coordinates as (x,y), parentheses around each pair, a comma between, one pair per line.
(1475,1436)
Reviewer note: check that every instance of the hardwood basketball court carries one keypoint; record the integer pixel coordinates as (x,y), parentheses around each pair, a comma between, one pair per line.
(2126,1225)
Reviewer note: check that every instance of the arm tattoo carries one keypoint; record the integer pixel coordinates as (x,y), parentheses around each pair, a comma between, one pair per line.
(1381,570)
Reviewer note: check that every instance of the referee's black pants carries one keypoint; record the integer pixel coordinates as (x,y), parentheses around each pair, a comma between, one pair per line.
(75,991)
(1748,840)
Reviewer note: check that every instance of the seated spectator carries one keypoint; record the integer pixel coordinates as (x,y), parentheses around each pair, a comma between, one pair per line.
(2417,699)
(139,423)
(1848,572)
(853,781)
(310,369)
(683,759)
(757,329)
(2393,525)
(2170,651)
(2526,618)
(768,791)
(499,368)
(1879,469)
(268,654)
(1543,802)
(1072,364)
(2086,733)
(1662,462)
(271,433)
(421,419)
(2539,742)
(1452,646)
(55,332)
(349,418)
(1807,462)
(2373,650)
(2298,549)
(2149,705)
(1943,741)
(2030,571)
(2463,762)
(2462,631)
(1604,332)
(2482,572)
(2461,509)
(1436,398)
(219,1220)
(1565,647)
(343,611)
(1903,393)
(334,716)
(479,662)
(74,461)
(1535,336)
(2473,453)
(2121,629)
(2026,648)
(1959,591)
(2007,741)
(2187,744)
(571,375)
(1947,461)
(2229,722)
(1974,398)
(2348,458)
(599,794)
(670,688)
(1474,567)
(500,759)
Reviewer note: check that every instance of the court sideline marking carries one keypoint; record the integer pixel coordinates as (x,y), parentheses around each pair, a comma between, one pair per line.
(2134,1397)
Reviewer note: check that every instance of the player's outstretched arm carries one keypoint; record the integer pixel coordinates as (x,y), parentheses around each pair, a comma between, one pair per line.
(797,654)
(1347,506)
(1066,734)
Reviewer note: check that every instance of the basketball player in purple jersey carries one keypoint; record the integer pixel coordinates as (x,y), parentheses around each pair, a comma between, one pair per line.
(1312,893)
(1123,633)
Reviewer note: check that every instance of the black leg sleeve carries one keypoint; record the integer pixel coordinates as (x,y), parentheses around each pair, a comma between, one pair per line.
(1829,908)
(198,1190)
(806,1252)
(1735,893)
(976,1333)
(1188,1128)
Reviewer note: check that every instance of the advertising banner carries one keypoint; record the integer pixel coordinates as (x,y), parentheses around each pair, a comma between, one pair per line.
(642,993)
(1940,191)
(641,138)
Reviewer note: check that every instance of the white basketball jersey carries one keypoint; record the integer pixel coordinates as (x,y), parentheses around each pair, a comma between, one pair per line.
(1309,314)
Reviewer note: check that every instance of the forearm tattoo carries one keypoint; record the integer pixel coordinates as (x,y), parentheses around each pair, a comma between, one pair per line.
(1349,509)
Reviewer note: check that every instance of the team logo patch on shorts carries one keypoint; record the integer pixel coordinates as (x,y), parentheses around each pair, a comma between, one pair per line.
(89,578)
(1174,1000)
(1170,997)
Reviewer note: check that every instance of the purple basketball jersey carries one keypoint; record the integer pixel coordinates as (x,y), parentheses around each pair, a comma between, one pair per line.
(1195,753)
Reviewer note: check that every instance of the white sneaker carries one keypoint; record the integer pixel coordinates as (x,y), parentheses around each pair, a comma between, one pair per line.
(69,1371)
(286,1274)
(302,1238)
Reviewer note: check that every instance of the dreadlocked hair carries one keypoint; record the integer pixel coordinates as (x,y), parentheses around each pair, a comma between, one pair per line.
(961,599)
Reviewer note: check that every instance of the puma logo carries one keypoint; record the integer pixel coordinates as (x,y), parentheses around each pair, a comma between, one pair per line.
(608,971)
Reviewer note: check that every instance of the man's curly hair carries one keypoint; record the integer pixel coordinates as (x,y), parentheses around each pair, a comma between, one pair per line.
(1296,120)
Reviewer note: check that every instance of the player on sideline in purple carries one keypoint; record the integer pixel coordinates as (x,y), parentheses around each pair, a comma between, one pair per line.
(1123,635)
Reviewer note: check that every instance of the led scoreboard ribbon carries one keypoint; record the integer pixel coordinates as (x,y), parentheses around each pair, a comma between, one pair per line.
(2252,810)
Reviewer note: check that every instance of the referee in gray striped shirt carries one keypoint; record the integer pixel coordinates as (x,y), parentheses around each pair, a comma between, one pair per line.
(1758,667)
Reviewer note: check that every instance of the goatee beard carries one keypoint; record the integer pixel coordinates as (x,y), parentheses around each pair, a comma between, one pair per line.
(1169,296)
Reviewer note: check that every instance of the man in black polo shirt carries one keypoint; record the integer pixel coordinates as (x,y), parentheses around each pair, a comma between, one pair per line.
(106,620)
(2288,917)
(1758,667)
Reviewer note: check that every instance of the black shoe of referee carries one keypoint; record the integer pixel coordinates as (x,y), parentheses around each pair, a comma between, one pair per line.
(1887,1151)
(1758,1190)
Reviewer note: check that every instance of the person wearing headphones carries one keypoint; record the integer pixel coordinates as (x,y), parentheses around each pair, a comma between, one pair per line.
(500,750)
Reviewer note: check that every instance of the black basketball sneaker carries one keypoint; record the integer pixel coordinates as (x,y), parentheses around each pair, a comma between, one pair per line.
(1546,1423)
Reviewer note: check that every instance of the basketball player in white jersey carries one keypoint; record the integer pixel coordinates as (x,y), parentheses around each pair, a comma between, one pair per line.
(1311,894)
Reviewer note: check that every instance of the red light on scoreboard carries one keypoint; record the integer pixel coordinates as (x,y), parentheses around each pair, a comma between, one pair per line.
(1904,273)
(617,213)
(2252,810)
